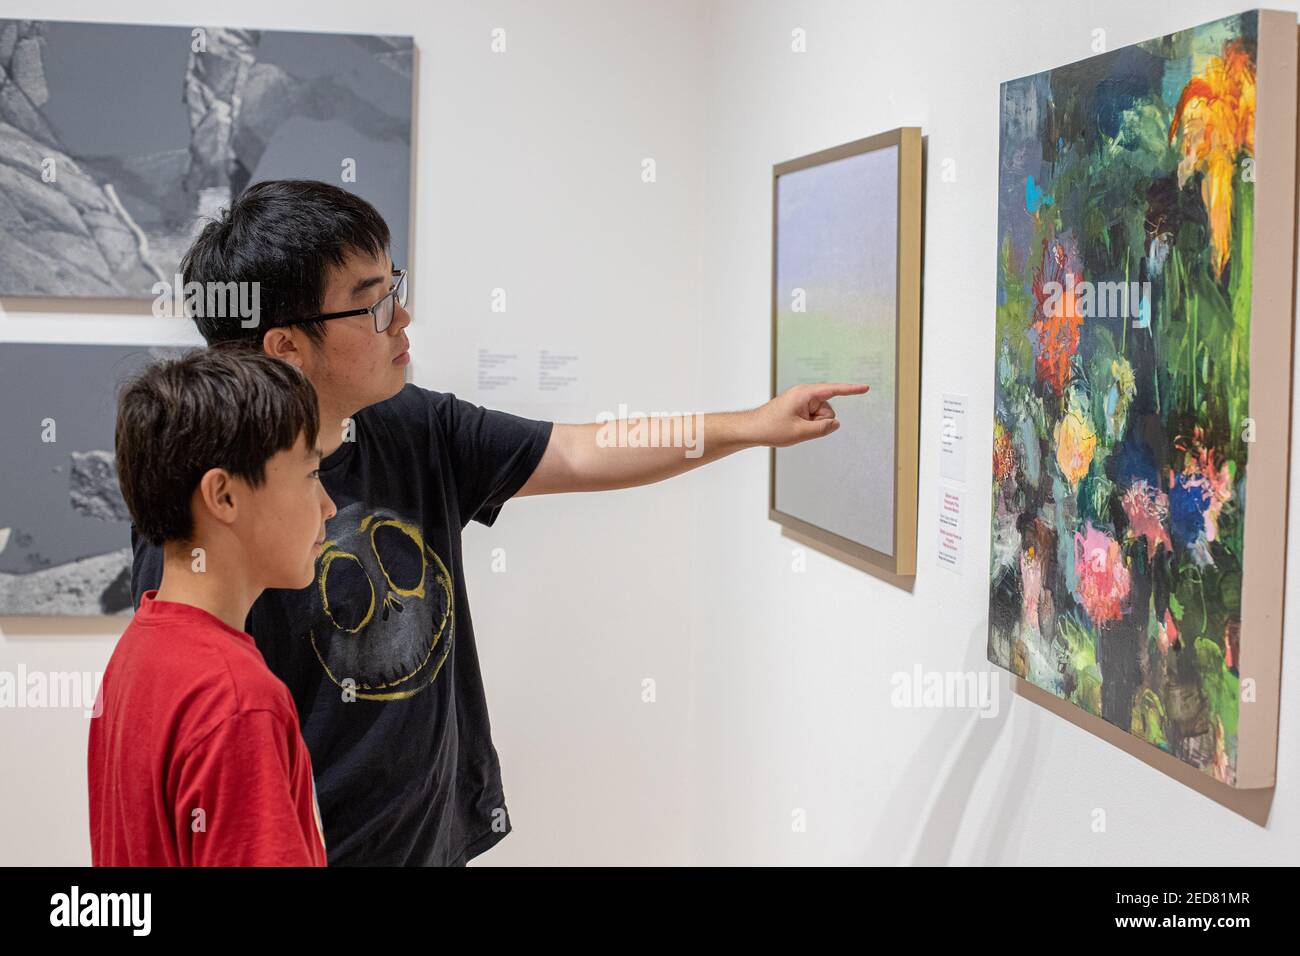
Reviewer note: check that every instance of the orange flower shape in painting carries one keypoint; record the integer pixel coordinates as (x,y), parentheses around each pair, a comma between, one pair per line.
(1216,114)
(1056,325)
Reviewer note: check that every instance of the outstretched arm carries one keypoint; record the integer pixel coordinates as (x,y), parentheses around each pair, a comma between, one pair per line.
(623,453)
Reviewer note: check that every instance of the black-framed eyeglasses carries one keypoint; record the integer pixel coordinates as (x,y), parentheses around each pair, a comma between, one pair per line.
(382,311)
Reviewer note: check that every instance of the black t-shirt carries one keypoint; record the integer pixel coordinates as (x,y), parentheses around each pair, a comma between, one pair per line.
(406,772)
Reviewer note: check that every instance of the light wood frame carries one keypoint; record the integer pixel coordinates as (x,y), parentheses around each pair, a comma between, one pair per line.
(907,361)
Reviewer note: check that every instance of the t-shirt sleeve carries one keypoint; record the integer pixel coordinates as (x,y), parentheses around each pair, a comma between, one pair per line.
(493,453)
(146,567)
(240,776)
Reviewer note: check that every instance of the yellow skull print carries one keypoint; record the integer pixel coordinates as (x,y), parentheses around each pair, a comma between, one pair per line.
(384,605)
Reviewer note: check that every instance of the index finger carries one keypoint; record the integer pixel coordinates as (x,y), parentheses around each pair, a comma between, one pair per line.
(825,391)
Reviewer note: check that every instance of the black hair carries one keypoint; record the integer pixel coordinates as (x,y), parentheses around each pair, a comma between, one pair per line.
(230,406)
(284,234)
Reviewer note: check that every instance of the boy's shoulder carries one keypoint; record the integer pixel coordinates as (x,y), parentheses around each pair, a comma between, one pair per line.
(412,405)
(180,660)
(418,412)
(415,418)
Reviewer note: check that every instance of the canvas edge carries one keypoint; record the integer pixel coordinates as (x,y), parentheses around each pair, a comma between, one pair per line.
(907,350)
(1272,319)
(992,495)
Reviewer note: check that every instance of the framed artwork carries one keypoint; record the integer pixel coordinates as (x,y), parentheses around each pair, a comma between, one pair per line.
(846,307)
(1141,434)
(65,532)
(117,141)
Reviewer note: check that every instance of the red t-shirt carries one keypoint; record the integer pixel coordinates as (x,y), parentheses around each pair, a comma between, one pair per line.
(196,758)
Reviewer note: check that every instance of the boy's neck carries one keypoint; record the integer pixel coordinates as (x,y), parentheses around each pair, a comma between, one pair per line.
(331,424)
(227,597)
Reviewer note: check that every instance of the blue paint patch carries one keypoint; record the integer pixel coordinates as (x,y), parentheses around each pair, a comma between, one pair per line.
(1187,506)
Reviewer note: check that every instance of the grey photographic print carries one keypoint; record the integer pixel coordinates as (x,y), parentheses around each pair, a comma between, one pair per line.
(117,140)
(65,533)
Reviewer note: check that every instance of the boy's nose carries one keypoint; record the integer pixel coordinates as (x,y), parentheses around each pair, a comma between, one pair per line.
(401,318)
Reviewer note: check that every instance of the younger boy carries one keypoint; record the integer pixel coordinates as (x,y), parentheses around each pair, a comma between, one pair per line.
(197,758)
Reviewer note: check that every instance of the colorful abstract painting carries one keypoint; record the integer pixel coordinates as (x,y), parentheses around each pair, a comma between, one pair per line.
(1121,435)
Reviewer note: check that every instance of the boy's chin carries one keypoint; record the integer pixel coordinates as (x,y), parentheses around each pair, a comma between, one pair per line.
(296,582)
(309,576)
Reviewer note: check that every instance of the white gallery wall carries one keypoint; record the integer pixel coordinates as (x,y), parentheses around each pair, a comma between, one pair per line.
(771,737)
(792,672)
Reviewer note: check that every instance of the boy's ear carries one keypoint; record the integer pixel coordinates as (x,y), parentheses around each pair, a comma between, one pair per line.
(283,343)
(218,495)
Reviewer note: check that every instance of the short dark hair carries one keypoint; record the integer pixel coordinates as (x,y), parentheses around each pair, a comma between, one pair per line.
(229,406)
(284,234)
